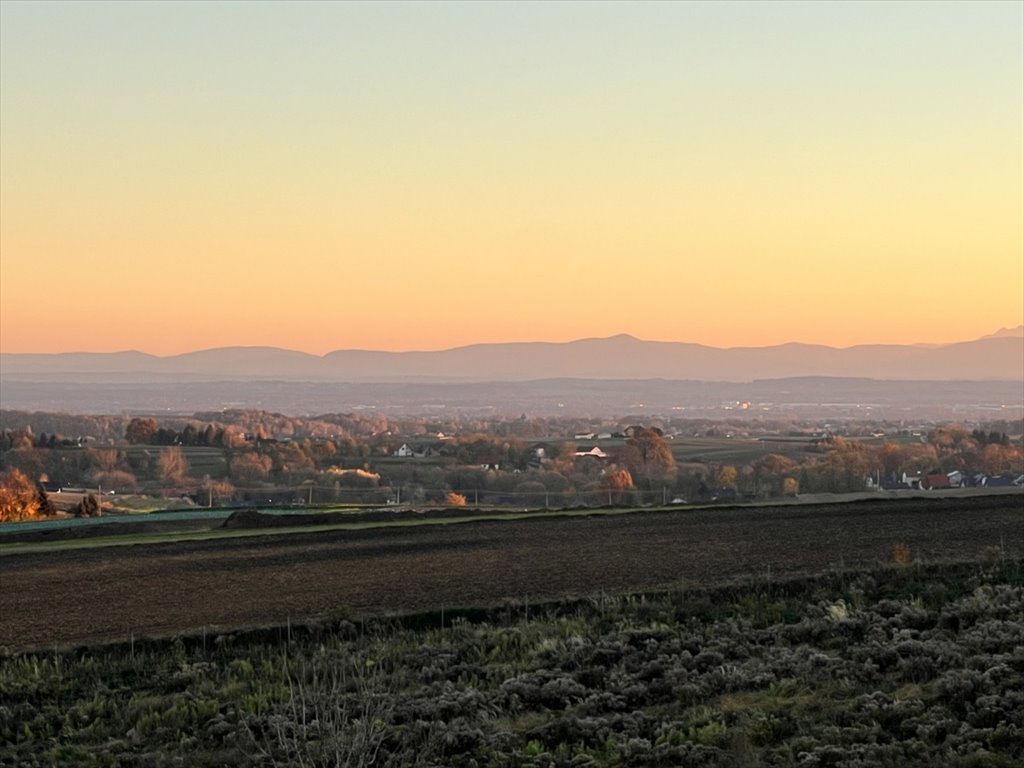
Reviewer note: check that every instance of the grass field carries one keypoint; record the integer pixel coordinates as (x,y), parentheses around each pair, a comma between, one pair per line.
(737,451)
(202,460)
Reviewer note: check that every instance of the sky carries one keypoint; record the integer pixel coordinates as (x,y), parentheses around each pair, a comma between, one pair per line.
(317,176)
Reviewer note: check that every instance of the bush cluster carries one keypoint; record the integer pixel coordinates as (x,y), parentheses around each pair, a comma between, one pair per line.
(908,666)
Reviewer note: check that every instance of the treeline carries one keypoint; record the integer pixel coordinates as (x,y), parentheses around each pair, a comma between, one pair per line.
(243,461)
(265,424)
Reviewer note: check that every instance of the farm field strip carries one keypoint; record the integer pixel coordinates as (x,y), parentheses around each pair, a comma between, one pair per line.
(85,595)
(128,539)
(169,536)
(234,533)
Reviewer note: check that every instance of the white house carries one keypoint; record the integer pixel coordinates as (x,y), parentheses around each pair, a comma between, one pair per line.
(912,481)
(404,452)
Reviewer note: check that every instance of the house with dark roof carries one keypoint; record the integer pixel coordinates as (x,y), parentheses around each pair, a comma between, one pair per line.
(999,482)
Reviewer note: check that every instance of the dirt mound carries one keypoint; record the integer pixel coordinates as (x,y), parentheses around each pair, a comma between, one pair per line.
(250,518)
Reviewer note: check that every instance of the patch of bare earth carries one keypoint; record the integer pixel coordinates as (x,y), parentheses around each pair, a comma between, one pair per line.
(80,596)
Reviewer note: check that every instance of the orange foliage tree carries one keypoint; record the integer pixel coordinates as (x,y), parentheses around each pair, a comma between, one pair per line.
(19,497)
(615,482)
(173,466)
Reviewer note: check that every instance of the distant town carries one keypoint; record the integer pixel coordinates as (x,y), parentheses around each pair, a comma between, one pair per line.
(55,462)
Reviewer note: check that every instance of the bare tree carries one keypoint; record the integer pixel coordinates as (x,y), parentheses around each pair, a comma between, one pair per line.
(338,714)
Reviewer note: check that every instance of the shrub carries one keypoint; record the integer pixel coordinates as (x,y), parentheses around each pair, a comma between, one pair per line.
(89,506)
(900,554)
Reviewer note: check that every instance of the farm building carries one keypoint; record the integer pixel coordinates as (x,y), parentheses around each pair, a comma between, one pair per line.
(932,482)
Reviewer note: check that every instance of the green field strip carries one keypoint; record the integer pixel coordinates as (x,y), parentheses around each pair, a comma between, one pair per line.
(172,537)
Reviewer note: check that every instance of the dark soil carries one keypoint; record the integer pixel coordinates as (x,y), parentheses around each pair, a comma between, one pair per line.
(108,593)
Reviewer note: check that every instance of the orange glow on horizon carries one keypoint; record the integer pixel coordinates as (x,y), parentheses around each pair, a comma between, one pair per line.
(426,176)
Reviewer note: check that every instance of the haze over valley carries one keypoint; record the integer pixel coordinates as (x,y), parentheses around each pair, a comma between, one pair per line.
(614,375)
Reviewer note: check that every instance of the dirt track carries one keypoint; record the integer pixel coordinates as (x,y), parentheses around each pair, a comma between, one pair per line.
(78,596)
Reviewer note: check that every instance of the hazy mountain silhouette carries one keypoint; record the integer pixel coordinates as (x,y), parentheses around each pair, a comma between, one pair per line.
(1002,333)
(999,356)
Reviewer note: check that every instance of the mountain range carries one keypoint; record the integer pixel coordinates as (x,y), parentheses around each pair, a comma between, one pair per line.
(998,356)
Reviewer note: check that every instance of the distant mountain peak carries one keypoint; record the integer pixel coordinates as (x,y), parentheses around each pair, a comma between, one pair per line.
(623,356)
(1007,333)
(617,337)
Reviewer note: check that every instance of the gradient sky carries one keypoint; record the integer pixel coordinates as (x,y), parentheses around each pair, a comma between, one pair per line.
(177,176)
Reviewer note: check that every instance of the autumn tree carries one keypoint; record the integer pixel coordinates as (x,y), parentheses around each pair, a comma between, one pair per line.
(615,482)
(648,456)
(19,498)
(109,468)
(103,459)
(173,465)
(726,476)
(292,462)
(769,472)
(141,431)
(994,459)
(232,437)
(250,468)
(563,457)
(217,491)
(920,457)
(890,457)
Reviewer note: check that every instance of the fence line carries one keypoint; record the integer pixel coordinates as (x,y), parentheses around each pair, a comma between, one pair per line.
(309,494)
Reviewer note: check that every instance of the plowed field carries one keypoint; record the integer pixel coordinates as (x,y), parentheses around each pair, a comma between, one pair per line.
(107,593)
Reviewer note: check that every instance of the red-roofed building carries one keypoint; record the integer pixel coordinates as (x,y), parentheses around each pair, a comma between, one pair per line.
(931,482)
